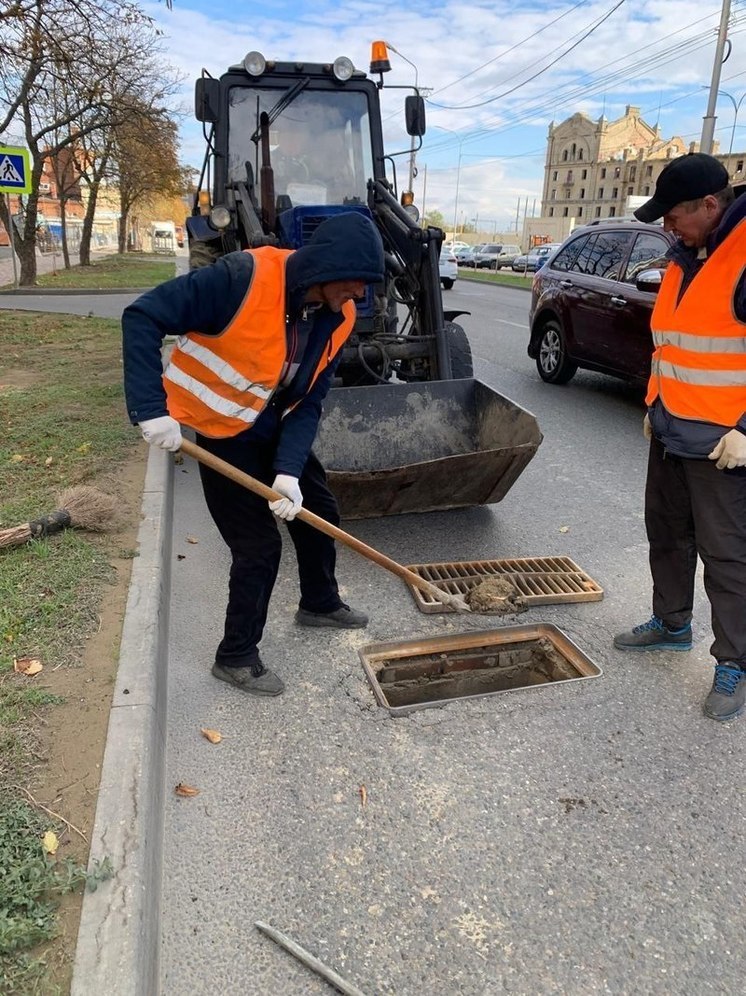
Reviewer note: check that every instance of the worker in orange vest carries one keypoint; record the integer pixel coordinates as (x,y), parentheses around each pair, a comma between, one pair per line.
(260,334)
(695,496)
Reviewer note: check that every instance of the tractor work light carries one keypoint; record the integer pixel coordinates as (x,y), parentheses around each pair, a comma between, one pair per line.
(220,217)
(254,63)
(379,58)
(204,202)
(343,68)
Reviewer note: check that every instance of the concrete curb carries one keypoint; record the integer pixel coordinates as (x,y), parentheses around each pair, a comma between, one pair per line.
(72,291)
(118,944)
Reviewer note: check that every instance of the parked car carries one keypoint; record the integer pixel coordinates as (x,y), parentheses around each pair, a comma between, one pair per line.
(589,306)
(494,254)
(463,254)
(535,258)
(469,255)
(448,268)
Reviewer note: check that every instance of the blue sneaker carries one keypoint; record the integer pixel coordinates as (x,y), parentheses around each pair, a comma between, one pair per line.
(728,694)
(654,635)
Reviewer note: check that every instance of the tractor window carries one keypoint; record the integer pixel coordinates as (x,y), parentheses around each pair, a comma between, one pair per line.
(320,144)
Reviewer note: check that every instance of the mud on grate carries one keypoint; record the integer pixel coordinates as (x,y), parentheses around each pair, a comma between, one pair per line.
(538,580)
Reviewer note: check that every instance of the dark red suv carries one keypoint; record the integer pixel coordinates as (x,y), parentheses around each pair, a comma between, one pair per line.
(587,309)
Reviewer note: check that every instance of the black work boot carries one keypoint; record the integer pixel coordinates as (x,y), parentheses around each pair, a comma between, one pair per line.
(254,679)
(342,618)
(654,635)
(728,694)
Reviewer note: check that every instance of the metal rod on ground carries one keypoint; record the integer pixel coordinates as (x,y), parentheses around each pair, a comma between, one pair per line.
(246,481)
(308,959)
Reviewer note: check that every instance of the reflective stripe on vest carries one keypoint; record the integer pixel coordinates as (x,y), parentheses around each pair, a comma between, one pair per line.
(698,368)
(219,385)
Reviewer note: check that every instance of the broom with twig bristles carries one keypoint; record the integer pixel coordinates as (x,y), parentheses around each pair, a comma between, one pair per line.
(81,507)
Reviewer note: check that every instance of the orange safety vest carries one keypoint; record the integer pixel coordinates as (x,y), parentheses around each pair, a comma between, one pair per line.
(219,385)
(699,364)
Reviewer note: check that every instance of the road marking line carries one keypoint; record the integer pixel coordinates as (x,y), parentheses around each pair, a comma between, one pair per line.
(515,325)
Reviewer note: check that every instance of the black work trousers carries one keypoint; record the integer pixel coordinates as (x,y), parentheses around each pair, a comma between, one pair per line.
(251,532)
(693,508)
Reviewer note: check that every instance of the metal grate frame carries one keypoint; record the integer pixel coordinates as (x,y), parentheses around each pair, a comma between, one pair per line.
(540,580)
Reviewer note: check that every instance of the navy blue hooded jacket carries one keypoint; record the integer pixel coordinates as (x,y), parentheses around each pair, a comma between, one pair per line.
(681,436)
(344,247)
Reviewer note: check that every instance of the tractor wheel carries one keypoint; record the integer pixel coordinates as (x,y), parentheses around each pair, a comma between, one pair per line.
(460,350)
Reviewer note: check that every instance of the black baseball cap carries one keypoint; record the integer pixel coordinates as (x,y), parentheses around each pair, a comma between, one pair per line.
(685,179)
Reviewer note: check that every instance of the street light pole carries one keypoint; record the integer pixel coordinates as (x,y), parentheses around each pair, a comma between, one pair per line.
(708,125)
(412,148)
(736,107)
(458,173)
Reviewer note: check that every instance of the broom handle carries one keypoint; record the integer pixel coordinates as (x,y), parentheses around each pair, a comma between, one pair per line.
(246,481)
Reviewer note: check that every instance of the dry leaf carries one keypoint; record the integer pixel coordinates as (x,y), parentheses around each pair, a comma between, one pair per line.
(564,529)
(185,790)
(27,665)
(50,842)
(84,448)
(212,735)
(49,461)
(192,539)
(17,458)
(363,792)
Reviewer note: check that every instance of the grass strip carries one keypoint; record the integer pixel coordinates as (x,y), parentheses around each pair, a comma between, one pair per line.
(111,272)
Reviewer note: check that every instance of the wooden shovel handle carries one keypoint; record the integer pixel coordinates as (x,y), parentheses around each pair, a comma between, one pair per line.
(251,483)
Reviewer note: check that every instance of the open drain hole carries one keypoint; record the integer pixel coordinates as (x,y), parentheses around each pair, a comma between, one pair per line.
(412,676)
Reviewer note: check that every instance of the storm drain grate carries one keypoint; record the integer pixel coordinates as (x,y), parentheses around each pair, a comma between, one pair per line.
(416,674)
(538,580)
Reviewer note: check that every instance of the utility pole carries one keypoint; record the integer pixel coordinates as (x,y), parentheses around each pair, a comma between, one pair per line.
(708,122)
(517,212)
(424,191)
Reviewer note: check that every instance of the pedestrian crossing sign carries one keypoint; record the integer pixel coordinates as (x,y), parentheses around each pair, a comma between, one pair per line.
(15,170)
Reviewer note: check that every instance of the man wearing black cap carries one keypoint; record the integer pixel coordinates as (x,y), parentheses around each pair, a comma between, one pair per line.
(695,496)
(260,335)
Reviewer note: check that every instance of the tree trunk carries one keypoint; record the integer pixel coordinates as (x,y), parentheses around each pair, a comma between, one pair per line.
(63,219)
(6,220)
(122,234)
(87,231)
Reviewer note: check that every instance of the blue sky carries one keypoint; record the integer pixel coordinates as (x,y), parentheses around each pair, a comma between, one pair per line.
(487,120)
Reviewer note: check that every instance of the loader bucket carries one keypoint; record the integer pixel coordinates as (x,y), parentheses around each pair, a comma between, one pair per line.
(395,448)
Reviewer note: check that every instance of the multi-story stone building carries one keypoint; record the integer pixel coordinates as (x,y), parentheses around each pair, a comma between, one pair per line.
(602,169)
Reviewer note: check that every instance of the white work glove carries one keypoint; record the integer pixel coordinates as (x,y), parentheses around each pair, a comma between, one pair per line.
(163,432)
(288,507)
(730,452)
(647,429)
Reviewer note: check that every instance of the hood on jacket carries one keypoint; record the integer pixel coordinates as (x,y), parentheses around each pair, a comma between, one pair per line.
(346,246)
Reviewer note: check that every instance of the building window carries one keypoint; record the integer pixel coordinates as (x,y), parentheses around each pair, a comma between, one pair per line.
(564,156)
(573,150)
(632,172)
(648,171)
(617,172)
(569,176)
(554,194)
(582,193)
(646,191)
(739,166)
(600,193)
(603,173)
(551,212)
(554,175)
(615,192)
(580,212)
(584,175)
(612,212)
(630,190)
(597,212)
(580,153)
(565,212)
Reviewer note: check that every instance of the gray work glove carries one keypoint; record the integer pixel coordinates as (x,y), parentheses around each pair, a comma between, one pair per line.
(647,429)
(163,432)
(730,452)
(288,507)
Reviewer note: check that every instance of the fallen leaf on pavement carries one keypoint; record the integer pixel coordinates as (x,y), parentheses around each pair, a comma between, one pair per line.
(192,539)
(564,529)
(50,842)
(212,735)
(363,792)
(27,665)
(185,790)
